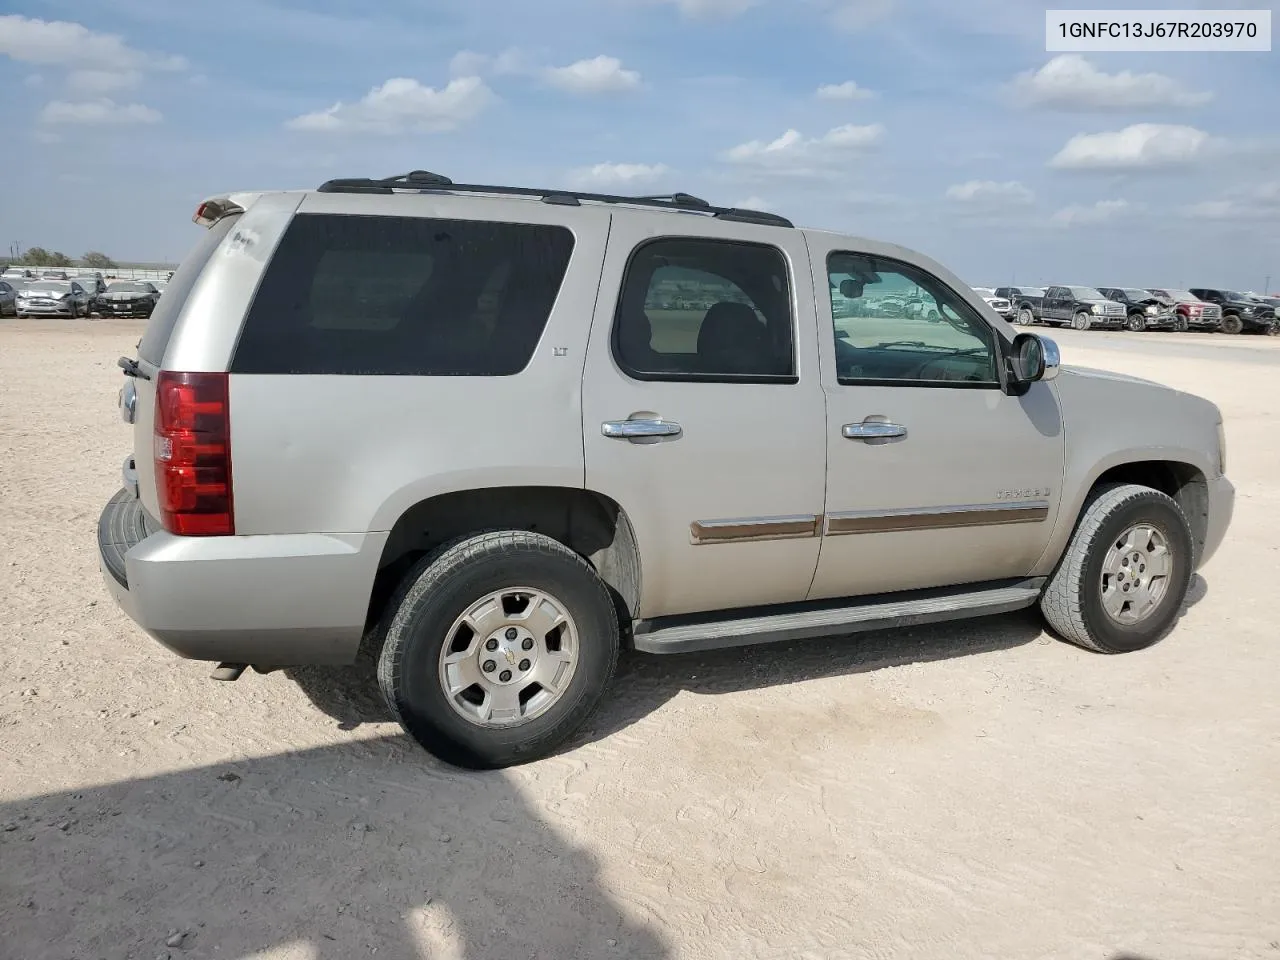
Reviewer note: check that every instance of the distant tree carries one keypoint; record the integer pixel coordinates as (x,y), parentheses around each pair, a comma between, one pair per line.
(40,257)
(37,257)
(99,261)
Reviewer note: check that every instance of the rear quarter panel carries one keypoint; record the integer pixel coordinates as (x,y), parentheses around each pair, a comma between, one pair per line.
(349,454)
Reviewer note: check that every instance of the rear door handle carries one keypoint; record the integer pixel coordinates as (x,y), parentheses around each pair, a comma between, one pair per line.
(641,429)
(873,430)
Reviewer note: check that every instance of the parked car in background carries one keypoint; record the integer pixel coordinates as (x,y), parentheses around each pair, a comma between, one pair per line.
(125,298)
(1001,305)
(1017,296)
(53,298)
(1082,308)
(1239,312)
(18,275)
(1145,310)
(8,299)
(92,282)
(54,275)
(1191,313)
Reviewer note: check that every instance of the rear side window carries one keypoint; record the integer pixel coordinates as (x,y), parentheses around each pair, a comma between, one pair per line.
(165,315)
(403,296)
(711,311)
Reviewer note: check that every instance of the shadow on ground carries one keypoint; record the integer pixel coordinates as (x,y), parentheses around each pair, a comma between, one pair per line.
(369,848)
(644,683)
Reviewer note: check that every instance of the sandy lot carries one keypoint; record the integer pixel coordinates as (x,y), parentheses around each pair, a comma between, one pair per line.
(978,790)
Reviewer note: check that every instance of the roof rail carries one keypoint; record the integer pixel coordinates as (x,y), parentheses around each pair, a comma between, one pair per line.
(424,180)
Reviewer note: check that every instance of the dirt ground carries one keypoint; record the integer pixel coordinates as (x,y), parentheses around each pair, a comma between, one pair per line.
(963,791)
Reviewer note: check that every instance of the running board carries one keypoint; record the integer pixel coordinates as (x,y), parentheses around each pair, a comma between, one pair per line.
(800,621)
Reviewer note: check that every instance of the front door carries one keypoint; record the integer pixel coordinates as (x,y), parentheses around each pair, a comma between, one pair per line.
(935,476)
(703,414)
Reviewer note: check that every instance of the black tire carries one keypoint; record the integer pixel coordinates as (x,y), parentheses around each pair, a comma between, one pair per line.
(1081,321)
(1025,317)
(1231,324)
(1181,324)
(1072,600)
(1135,323)
(438,590)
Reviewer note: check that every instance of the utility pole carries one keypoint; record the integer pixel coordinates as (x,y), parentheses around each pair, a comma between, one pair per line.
(1266,287)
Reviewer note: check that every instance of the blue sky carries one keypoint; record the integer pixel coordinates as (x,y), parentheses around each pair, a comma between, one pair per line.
(939,124)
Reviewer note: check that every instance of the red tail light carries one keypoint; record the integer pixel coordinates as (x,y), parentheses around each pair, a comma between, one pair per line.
(193,454)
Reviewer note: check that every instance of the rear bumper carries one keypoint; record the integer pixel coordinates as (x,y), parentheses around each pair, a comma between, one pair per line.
(278,600)
(1222,500)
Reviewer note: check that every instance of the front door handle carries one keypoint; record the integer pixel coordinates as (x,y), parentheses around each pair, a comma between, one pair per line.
(873,430)
(641,429)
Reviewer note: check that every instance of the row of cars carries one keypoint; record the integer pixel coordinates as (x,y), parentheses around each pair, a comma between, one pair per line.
(60,294)
(1136,308)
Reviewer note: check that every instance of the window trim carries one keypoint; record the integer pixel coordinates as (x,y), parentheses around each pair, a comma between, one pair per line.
(615,334)
(999,344)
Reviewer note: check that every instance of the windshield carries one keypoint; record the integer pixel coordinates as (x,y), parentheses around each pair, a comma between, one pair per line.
(128,288)
(55,287)
(1184,295)
(1133,293)
(1234,295)
(1086,293)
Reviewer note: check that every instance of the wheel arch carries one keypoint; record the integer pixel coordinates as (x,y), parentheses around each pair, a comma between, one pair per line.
(1179,477)
(591,524)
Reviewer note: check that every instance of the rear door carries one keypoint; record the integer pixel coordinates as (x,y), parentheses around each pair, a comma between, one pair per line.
(703,416)
(1057,304)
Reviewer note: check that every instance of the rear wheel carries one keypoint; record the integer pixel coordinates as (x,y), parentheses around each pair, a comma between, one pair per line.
(1081,321)
(1135,323)
(1231,324)
(498,648)
(1121,583)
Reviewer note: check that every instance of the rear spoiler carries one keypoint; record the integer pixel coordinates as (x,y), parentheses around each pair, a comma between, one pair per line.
(220,207)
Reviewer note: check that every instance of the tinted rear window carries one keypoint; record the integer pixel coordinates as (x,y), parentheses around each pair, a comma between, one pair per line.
(404,296)
(184,279)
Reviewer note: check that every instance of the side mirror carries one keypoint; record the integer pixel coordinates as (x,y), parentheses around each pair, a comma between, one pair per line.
(1033,358)
(850,289)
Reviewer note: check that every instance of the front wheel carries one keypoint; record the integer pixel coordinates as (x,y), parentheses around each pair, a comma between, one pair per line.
(498,648)
(1025,317)
(1181,324)
(1081,321)
(1136,323)
(1232,324)
(1121,583)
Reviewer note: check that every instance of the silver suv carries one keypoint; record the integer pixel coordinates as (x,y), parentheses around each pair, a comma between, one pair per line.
(505,431)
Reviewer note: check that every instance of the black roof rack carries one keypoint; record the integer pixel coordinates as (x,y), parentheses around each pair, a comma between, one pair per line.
(423,180)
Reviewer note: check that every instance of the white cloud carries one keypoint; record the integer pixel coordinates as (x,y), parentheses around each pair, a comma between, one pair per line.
(797,155)
(598,75)
(102,82)
(754,203)
(97,112)
(1091,214)
(1259,202)
(1137,147)
(403,105)
(1070,82)
(616,175)
(990,193)
(61,43)
(468,63)
(848,90)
